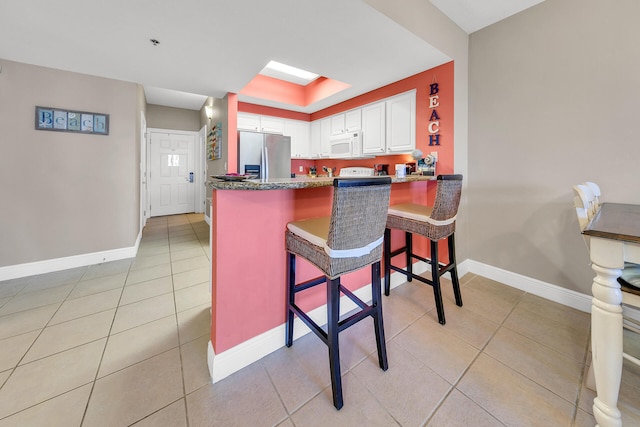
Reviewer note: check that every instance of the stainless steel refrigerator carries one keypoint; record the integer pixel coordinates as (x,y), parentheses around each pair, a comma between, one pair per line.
(266,154)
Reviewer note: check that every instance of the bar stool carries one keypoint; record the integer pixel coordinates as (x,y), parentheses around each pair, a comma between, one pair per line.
(434,223)
(350,239)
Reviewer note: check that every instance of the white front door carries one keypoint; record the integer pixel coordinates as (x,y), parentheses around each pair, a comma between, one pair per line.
(173,174)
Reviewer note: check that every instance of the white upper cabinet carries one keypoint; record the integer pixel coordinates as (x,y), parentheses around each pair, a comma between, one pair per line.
(299,131)
(373,129)
(271,125)
(346,122)
(325,134)
(248,122)
(353,120)
(337,124)
(257,123)
(315,138)
(401,123)
(320,134)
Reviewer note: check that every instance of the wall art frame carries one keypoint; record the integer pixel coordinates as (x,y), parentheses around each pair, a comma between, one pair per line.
(61,120)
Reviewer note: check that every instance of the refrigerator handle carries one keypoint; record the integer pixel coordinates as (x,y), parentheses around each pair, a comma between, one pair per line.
(264,163)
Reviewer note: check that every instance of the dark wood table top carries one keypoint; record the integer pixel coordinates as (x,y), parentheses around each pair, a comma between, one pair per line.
(616,221)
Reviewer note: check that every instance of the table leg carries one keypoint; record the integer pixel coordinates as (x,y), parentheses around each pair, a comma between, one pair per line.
(606,345)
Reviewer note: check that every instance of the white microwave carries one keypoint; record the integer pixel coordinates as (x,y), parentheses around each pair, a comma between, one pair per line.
(346,145)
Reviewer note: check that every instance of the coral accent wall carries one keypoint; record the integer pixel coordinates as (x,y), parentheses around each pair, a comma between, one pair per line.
(265,87)
(443,75)
(232,134)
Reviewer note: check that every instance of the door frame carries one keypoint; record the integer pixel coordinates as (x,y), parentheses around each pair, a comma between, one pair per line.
(199,190)
(201,158)
(144,161)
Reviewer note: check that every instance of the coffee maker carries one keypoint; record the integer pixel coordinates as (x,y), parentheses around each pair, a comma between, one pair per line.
(381,169)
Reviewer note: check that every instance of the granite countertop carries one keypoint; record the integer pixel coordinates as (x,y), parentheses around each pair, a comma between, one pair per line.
(293,183)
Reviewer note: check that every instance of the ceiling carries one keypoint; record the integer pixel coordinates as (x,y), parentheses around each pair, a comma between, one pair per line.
(212,47)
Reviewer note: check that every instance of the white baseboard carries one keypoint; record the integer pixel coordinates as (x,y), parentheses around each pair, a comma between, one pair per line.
(57,264)
(554,293)
(236,358)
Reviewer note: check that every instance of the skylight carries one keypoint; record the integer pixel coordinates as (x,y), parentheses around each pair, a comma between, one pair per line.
(288,73)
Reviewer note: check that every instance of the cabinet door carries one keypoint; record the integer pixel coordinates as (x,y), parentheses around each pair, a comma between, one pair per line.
(271,124)
(304,139)
(325,134)
(353,120)
(373,128)
(401,123)
(248,122)
(315,138)
(299,133)
(337,124)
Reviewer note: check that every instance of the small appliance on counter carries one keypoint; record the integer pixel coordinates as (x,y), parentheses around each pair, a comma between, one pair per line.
(427,165)
(381,169)
(356,171)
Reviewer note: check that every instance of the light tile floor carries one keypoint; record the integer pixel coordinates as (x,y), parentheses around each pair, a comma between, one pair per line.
(124,343)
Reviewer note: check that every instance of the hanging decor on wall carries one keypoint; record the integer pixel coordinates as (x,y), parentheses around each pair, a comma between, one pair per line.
(214,141)
(434,118)
(56,119)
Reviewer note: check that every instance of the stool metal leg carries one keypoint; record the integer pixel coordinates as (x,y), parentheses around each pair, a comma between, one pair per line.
(387,261)
(377,315)
(435,278)
(454,271)
(333,319)
(291,284)
(409,247)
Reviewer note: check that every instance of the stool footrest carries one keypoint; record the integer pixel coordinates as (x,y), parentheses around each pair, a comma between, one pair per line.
(309,283)
(437,268)
(366,310)
(363,305)
(310,323)
(355,318)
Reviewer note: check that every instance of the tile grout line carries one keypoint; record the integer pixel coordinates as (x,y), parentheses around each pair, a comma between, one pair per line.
(454,386)
(104,349)
(175,304)
(17,365)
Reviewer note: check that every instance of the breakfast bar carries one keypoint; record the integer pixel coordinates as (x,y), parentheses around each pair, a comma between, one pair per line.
(248,270)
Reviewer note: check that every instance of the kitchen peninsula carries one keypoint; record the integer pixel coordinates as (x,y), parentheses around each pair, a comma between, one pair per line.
(248,264)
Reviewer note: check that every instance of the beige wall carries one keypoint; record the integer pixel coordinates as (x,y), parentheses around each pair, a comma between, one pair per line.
(219,110)
(553,102)
(65,194)
(159,116)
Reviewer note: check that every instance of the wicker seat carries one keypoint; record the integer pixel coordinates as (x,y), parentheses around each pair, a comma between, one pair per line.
(350,239)
(435,223)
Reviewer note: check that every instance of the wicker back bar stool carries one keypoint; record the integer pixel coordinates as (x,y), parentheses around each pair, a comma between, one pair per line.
(435,223)
(350,239)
